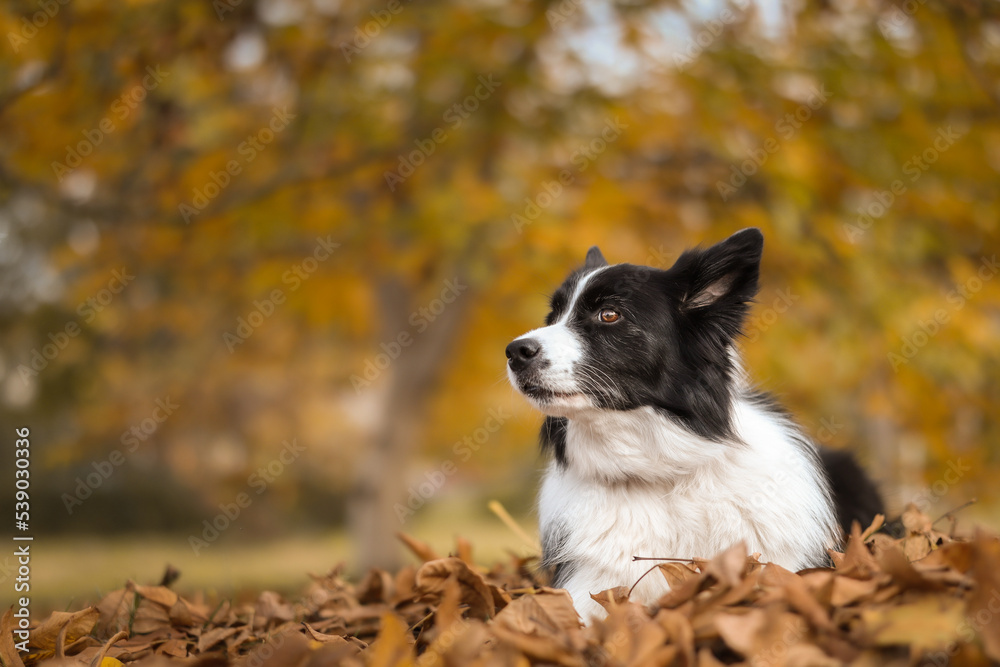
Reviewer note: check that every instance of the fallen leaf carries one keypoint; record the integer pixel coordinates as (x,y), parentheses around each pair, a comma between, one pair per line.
(983,608)
(375,587)
(464,550)
(158,594)
(76,625)
(149,617)
(680,632)
(270,608)
(526,615)
(858,561)
(729,567)
(798,595)
(405,584)
(558,606)
(611,598)
(433,575)
(848,590)
(420,549)
(809,655)
(8,650)
(915,521)
(392,647)
(539,649)
(917,547)
(184,614)
(677,574)
(893,562)
(876,523)
(931,622)
(176,648)
(957,556)
(214,636)
(448,613)
(356,644)
(741,630)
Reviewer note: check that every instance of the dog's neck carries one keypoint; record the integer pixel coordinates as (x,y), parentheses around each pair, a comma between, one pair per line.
(641,446)
(648,445)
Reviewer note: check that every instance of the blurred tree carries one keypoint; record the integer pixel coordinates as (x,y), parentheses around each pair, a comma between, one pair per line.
(296,186)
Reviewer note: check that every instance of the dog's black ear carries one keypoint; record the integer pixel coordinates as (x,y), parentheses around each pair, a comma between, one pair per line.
(723,276)
(595,259)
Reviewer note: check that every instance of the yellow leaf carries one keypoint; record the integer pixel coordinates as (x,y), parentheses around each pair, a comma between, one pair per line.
(391,648)
(930,623)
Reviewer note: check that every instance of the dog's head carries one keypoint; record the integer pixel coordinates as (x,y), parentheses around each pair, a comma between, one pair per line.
(620,336)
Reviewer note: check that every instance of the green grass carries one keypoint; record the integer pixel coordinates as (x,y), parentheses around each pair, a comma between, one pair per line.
(71,572)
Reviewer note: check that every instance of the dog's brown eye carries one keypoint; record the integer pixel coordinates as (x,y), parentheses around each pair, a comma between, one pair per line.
(609,315)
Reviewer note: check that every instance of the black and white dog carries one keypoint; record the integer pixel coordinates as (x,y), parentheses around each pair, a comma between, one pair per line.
(661,446)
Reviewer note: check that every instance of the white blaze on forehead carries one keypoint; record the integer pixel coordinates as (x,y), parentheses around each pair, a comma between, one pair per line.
(581,284)
(561,346)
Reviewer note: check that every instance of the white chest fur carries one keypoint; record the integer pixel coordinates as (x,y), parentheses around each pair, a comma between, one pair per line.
(636,484)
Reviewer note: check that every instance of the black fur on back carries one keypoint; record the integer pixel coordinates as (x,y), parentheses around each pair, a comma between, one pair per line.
(855,496)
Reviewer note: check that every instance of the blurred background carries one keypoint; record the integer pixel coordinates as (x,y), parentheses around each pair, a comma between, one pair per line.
(259,259)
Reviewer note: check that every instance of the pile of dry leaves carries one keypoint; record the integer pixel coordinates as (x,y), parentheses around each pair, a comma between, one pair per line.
(923,599)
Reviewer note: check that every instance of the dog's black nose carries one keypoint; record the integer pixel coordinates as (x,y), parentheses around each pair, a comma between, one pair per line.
(522,351)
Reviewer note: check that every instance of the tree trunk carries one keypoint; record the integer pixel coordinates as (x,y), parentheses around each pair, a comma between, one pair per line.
(379,494)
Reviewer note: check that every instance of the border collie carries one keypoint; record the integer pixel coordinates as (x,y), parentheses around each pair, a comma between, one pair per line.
(660,444)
